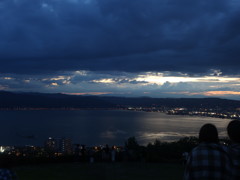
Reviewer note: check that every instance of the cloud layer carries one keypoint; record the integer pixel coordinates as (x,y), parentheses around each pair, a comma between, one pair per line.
(118,35)
(152,84)
(166,48)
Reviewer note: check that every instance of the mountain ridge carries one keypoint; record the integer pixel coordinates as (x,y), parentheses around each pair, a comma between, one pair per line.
(59,100)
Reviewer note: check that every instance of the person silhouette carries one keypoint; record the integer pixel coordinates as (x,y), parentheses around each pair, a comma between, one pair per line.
(233,150)
(113,154)
(208,160)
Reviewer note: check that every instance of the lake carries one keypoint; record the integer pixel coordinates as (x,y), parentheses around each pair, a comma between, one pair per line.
(99,127)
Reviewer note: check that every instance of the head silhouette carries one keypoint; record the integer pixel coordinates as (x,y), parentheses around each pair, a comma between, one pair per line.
(208,134)
(233,130)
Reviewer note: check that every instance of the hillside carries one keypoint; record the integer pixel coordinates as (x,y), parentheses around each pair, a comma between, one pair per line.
(44,100)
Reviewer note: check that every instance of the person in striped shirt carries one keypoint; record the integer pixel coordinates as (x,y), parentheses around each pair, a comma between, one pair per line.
(233,150)
(208,160)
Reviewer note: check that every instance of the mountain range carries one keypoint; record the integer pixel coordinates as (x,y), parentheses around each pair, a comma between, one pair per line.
(58,100)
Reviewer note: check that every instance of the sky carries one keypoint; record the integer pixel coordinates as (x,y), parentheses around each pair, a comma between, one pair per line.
(132,48)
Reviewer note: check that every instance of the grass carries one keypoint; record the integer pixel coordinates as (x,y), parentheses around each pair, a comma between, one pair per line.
(101,171)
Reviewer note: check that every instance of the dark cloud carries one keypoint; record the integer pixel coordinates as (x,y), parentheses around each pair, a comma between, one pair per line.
(119,35)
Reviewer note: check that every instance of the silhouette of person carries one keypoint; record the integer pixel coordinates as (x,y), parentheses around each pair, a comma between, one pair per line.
(233,150)
(184,157)
(83,153)
(91,155)
(208,160)
(77,152)
(106,153)
(113,154)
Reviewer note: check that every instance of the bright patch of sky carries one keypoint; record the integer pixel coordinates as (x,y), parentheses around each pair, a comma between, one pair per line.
(152,84)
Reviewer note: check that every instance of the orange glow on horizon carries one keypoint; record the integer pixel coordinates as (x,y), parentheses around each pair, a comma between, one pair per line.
(207,93)
(221,93)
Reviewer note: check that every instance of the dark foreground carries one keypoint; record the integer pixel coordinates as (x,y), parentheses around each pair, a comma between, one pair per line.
(96,171)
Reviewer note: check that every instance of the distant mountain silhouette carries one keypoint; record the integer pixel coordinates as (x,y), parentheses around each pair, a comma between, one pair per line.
(42,100)
(191,103)
(45,100)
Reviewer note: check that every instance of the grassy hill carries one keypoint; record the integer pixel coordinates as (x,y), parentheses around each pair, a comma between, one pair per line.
(102,171)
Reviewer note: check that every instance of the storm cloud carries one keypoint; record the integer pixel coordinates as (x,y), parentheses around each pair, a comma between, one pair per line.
(119,35)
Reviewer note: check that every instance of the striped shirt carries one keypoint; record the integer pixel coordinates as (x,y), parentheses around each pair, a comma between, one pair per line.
(208,161)
(234,153)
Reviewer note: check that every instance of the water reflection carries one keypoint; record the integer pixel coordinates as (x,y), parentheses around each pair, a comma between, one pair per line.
(99,127)
(171,127)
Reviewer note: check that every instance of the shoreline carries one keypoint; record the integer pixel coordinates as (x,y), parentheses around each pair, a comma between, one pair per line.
(230,116)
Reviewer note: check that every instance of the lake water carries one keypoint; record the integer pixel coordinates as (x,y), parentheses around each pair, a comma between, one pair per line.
(96,127)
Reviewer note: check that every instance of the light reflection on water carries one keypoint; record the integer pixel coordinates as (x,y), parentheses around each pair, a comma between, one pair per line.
(171,127)
(94,127)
